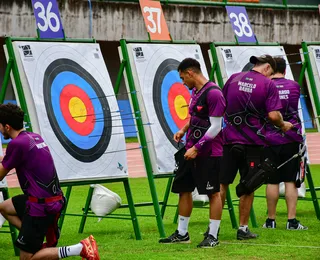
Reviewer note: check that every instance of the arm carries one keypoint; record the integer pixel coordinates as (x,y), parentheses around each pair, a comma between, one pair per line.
(276,118)
(3,172)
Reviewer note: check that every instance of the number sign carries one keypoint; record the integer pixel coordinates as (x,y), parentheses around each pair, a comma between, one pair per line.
(154,20)
(240,23)
(48,18)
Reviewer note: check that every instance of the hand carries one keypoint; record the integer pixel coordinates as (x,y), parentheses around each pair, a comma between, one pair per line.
(286,126)
(191,153)
(178,136)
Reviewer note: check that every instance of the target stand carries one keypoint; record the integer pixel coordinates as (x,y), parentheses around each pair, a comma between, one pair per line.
(159,97)
(67,96)
(230,57)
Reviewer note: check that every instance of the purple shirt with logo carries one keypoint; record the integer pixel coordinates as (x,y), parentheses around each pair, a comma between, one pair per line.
(250,97)
(31,158)
(289,93)
(216,107)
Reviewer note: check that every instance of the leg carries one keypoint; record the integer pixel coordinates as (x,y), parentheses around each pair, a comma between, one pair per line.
(291,193)
(272,192)
(245,205)
(8,211)
(223,193)
(215,206)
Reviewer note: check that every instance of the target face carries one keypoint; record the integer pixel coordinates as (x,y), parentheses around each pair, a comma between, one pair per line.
(163,99)
(314,54)
(72,105)
(233,59)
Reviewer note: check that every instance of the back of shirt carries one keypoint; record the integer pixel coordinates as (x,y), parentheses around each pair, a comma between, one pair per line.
(289,93)
(30,156)
(250,96)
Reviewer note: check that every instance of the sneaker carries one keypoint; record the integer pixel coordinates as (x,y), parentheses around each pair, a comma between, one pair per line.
(295,225)
(269,223)
(88,251)
(95,247)
(244,235)
(208,242)
(176,238)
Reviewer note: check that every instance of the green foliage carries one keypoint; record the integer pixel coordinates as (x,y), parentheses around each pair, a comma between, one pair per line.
(116,240)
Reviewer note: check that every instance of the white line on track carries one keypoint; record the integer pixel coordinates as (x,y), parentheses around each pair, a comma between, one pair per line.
(251,244)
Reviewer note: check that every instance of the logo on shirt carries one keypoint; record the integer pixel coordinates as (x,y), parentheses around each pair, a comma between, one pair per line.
(199,108)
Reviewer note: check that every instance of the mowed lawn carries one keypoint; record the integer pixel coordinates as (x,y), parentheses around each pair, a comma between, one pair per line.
(116,239)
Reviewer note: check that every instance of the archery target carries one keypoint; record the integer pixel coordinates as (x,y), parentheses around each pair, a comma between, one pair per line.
(70,98)
(234,59)
(314,55)
(163,99)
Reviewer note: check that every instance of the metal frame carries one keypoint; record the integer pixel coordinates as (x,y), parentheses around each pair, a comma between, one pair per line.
(12,67)
(125,66)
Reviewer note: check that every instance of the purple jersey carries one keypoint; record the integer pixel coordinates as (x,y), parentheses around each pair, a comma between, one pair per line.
(289,93)
(215,104)
(250,97)
(31,158)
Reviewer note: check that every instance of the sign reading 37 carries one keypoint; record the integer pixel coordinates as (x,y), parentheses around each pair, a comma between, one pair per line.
(48,19)
(154,20)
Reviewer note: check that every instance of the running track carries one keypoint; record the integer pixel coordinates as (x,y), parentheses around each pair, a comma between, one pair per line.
(136,166)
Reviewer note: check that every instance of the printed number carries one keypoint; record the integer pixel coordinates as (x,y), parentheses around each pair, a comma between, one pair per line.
(151,10)
(241,22)
(46,16)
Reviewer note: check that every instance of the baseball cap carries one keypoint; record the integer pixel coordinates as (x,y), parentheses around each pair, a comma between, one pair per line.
(264,59)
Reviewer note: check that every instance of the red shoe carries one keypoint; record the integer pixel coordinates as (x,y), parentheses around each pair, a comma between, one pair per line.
(95,247)
(87,251)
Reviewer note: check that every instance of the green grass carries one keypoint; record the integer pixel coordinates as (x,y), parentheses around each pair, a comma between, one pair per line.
(116,237)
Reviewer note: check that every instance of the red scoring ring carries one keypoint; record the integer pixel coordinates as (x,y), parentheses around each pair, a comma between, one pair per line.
(71,91)
(175,90)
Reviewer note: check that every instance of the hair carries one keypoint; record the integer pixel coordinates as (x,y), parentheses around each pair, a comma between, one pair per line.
(189,63)
(11,115)
(281,65)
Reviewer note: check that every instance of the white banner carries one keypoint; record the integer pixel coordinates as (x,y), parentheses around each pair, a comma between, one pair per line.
(72,104)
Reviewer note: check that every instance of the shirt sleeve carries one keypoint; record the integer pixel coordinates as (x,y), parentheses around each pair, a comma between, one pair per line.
(273,102)
(13,157)
(216,103)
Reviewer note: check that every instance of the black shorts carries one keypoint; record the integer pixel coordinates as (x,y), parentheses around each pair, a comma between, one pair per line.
(239,157)
(33,229)
(201,173)
(279,154)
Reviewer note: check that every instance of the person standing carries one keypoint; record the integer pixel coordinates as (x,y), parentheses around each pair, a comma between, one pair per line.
(203,153)
(252,100)
(282,147)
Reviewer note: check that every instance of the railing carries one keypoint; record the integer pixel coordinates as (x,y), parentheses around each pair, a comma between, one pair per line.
(282,4)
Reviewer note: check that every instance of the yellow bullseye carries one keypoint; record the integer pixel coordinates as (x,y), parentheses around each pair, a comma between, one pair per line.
(77,109)
(181,107)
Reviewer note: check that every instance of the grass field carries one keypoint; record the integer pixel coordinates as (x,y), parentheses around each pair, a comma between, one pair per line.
(116,237)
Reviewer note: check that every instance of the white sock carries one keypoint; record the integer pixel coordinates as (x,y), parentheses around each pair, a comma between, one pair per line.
(66,251)
(244,228)
(214,227)
(183,225)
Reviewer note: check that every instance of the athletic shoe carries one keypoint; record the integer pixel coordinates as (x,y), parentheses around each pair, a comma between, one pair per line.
(95,247)
(176,238)
(87,251)
(244,235)
(295,225)
(209,242)
(269,223)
